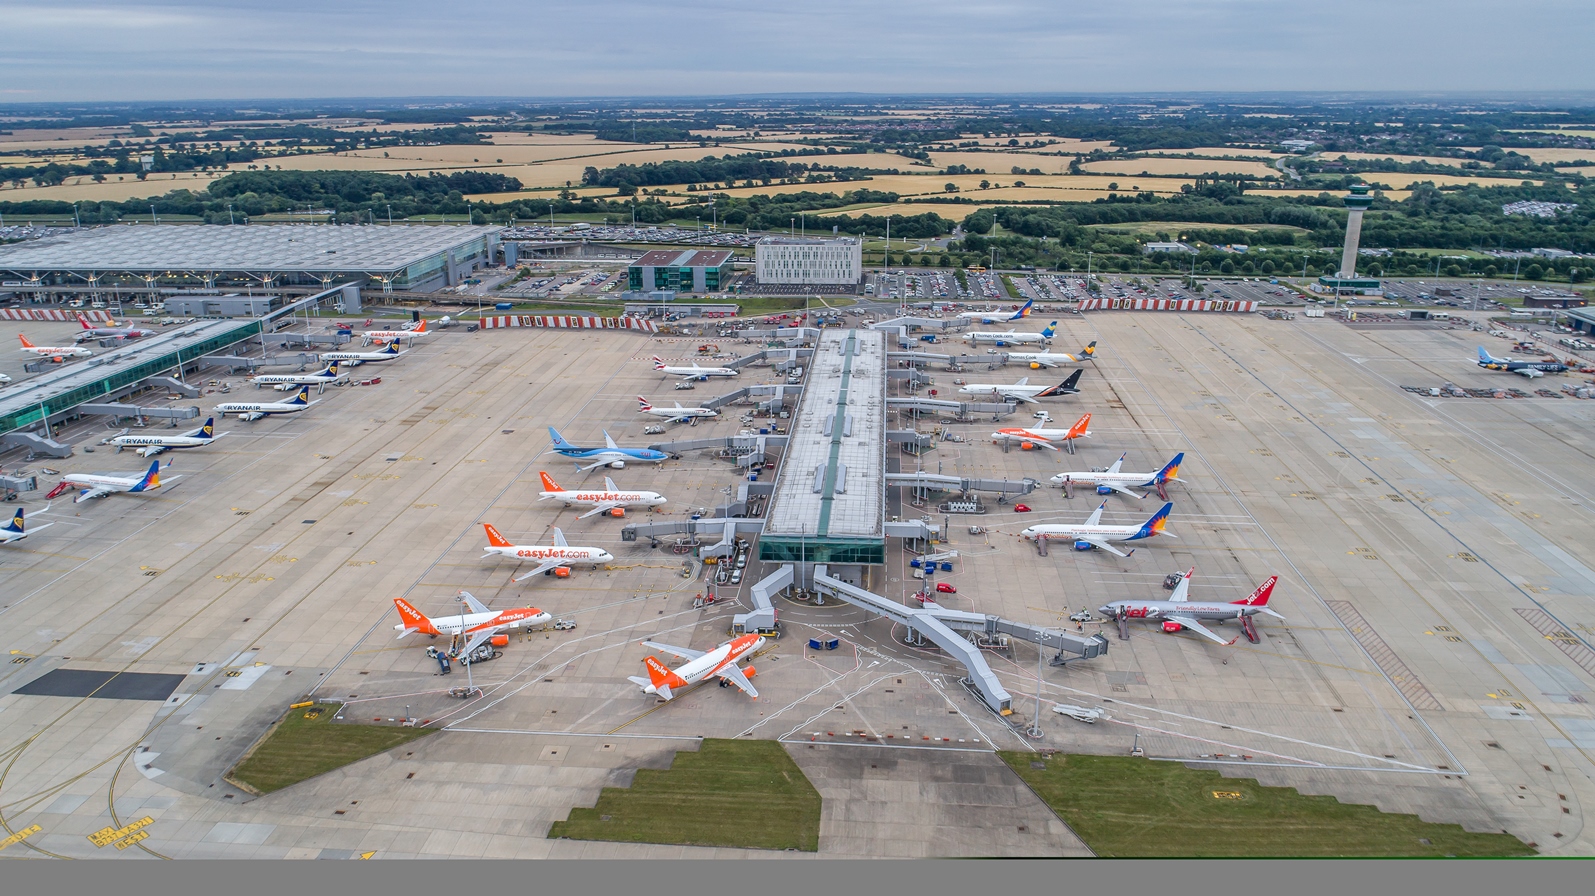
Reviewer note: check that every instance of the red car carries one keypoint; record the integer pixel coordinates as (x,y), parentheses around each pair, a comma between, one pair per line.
(1021,508)
(945,588)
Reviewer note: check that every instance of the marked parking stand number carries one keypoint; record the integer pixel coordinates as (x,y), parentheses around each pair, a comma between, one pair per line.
(1227,795)
(124,836)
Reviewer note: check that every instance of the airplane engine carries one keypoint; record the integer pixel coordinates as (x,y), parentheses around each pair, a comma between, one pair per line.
(1104,490)
(1083,545)
(250,416)
(150,451)
(561,572)
(1027,446)
(1172,627)
(618,512)
(750,671)
(618,465)
(284,387)
(1034,366)
(499,640)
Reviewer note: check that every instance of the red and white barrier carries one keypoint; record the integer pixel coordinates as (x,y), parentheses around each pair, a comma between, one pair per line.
(51,314)
(1167,305)
(570,322)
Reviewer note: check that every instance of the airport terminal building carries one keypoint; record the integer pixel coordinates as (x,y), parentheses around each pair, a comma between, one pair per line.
(680,270)
(790,261)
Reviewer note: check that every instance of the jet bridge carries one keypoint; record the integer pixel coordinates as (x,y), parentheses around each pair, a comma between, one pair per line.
(132,410)
(928,481)
(991,361)
(763,617)
(957,408)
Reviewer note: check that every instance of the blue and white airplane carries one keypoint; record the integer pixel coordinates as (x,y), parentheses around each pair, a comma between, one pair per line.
(611,455)
(1530,369)
(999,316)
(16,531)
(1012,337)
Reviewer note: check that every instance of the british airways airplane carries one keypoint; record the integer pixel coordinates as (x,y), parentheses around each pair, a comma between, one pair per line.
(611,455)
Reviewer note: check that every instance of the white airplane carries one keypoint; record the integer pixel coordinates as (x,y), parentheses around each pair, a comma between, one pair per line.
(611,455)
(390,336)
(1022,390)
(694,372)
(998,316)
(56,353)
(255,410)
(1043,436)
(355,359)
(1090,534)
(611,500)
(285,382)
(98,485)
(676,414)
(550,558)
(477,626)
(1013,337)
(14,531)
(149,446)
(1038,360)
(1111,480)
(1180,612)
(90,331)
(720,662)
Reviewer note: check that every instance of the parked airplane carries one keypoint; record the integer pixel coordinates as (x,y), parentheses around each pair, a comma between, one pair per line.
(1090,534)
(1022,390)
(98,485)
(151,445)
(694,372)
(1111,480)
(549,557)
(1530,369)
(14,531)
(56,353)
(477,626)
(1013,337)
(997,317)
(286,382)
(355,359)
(92,332)
(610,455)
(676,414)
(1045,437)
(720,662)
(611,500)
(255,410)
(1180,612)
(391,336)
(1038,360)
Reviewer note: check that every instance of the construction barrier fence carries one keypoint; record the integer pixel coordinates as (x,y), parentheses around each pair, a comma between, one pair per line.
(569,321)
(1167,305)
(52,314)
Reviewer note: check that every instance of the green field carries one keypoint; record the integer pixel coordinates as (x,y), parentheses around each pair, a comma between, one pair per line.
(1130,807)
(299,748)
(747,794)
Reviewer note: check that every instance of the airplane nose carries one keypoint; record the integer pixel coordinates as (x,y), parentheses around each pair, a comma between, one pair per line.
(1105,610)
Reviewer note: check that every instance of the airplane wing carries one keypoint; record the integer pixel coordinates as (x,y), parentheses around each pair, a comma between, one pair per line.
(1200,629)
(1044,362)
(1117,464)
(601,508)
(1040,442)
(1182,590)
(92,493)
(1095,542)
(1122,490)
(1017,397)
(609,442)
(679,418)
(593,466)
(543,567)
(559,538)
(1096,515)
(476,641)
(683,652)
(609,485)
(1023,382)
(475,605)
(734,675)
(1529,372)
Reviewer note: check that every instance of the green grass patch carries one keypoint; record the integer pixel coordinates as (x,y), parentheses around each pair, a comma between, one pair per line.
(1013,291)
(1131,807)
(306,742)
(747,794)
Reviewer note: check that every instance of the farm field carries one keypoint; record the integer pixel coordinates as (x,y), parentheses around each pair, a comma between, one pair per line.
(1146,165)
(1234,151)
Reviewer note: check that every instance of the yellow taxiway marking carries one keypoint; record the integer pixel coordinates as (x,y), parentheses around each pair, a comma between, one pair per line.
(106,836)
(20,836)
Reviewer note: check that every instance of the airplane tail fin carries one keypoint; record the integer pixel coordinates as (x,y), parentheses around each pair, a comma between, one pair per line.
(1025,311)
(391,348)
(300,397)
(645,406)
(15,526)
(1090,350)
(660,676)
(414,620)
(1155,525)
(332,369)
(1080,428)
(495,539)
(1171,472)
(27,344)
(659,363)
(1484,356)
(1070,386)
(559,440)
(152,478)
(549,485)
(208,431)
(421,328)
(83,321)
(1050,330)
(1259,598)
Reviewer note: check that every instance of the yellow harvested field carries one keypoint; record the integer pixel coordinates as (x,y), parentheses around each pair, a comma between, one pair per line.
(543,196)
(1566,132)
(1392,195)
(1558,155)
(1405,181)
(949,210)
(1001,164)
(82,188)
(1376,156)
(1188,167)
(1220,151)
(1065,144)
(39,138)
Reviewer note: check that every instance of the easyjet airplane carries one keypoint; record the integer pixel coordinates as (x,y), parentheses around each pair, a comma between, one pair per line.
(1045,437)
(371,336)
(477,626)
(550,558)
(611,500)
(720,662)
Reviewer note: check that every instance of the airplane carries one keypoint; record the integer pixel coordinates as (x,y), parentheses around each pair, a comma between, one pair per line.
(611,455)
(355,359)
(288,381)
(1180,612)
(676,414)
(255,410)
(1038,360)
(549,557)
(995,317)
(1045,437)
(1090,534)
(720,662)
(694,372)
(149,446)
(391,336)
(1022,390)
(611,500)
(1013,337)
(1111,480)
(1530,369)
(13,531)
(477,626)
(56,353)
(92,332)
(98,485)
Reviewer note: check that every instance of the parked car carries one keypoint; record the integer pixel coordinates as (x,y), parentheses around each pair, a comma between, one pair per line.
(1021,508)
(945,588)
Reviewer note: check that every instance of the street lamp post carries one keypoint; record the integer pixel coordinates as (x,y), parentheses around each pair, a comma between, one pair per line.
(230,213)
(390,212)
(154,218)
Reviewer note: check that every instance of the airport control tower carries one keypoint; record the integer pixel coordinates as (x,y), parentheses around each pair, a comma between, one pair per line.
(1346,280)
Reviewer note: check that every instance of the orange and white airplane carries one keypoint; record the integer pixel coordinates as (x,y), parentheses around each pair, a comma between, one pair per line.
(1045,437)
(371,336)
(56,353)
(611,500)
(478,626)
(550,558)
(720,662)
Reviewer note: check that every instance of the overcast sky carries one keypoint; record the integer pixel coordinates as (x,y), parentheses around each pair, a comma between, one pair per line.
(227,49)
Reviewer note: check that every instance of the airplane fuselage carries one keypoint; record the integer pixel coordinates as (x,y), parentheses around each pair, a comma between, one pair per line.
(470,623)
(697,371)
(619,499)
(1158,609)
(615,455)
(1044,359)
(544,552)
(149,446)
(1009,338)
(712,662)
